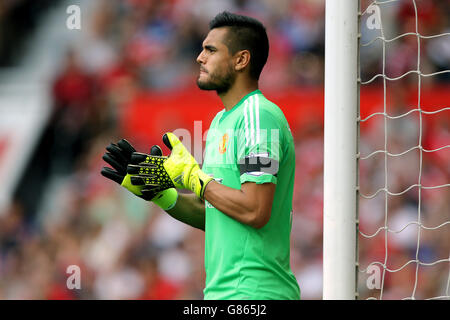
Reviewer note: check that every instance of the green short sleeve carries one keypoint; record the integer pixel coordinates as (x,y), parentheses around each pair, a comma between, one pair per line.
(258,143)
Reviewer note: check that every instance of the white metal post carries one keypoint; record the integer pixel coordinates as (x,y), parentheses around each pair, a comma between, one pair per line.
(340,147)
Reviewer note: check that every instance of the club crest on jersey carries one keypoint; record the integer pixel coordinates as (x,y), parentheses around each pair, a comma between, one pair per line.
(223,143)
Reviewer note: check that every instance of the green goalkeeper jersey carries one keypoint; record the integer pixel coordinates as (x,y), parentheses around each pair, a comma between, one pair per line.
(251,142)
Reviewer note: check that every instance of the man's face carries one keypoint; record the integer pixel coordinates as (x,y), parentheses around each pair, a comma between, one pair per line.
(216,63)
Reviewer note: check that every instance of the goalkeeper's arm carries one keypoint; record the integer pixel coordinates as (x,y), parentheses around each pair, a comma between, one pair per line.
(189,209)
(251,205)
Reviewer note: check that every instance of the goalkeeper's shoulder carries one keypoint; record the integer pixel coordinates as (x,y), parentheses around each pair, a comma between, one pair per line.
(269,109)
(269,116)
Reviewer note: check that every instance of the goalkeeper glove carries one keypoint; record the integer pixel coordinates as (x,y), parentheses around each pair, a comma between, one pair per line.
(179,170)
(118,156)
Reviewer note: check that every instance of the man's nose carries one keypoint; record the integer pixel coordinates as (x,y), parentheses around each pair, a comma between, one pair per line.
(200,58)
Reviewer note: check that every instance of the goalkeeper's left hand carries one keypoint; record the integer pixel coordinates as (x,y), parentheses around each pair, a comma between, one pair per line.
(119,156)
(179,170)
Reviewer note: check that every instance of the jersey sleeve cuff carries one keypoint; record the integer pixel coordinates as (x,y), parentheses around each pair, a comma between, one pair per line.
(264,178)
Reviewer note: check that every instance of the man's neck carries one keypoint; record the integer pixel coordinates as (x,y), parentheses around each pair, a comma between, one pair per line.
(236,93)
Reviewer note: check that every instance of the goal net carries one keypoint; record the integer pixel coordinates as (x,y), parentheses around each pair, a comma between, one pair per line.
(404,212)
(400,171)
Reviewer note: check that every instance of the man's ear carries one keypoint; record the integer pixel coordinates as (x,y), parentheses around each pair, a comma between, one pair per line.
(242,60)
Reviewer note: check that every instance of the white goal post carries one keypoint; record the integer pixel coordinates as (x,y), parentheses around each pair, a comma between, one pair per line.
(340,149)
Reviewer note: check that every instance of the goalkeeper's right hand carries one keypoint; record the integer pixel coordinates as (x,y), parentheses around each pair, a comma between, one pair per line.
(178,170)
(119,156)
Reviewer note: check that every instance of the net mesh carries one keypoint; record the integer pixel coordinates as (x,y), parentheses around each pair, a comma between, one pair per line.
(403,185)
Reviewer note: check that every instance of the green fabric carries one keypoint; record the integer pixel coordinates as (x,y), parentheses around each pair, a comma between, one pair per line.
(242,262)
(166,199)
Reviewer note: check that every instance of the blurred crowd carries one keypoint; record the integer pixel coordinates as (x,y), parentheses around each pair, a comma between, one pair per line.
(129,249)
(18,22)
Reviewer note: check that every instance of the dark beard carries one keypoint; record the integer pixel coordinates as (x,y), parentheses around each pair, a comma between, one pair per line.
(220,85)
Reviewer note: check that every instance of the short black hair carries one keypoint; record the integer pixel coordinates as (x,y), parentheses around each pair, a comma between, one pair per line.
(245,33)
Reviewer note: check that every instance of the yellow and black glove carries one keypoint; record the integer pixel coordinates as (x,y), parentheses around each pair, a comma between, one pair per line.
(119,156)
(179,170)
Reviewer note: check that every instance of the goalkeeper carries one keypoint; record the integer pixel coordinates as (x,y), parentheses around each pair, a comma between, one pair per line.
(242,197)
